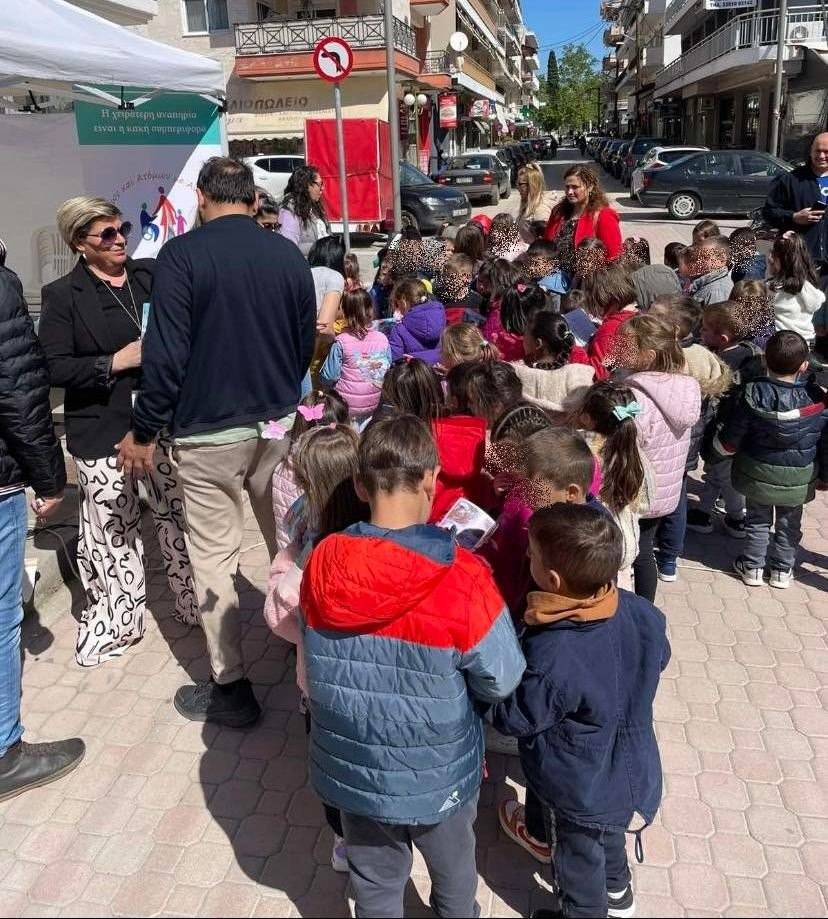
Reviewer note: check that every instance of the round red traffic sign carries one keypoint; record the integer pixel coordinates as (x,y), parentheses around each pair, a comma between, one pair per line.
(333,58)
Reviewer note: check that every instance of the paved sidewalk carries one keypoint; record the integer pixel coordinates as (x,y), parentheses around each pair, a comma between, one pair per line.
(166,817)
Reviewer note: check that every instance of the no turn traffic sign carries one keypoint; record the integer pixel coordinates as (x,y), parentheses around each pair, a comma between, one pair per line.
(333,58)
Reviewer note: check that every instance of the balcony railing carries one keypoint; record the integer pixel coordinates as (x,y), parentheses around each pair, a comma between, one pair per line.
(437,62)
(752,30)
(292,35)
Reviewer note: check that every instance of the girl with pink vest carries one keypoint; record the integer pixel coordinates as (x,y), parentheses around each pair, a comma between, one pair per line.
(359,358)
(670,404)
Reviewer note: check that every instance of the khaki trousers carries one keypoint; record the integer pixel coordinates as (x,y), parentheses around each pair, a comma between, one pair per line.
(213,479)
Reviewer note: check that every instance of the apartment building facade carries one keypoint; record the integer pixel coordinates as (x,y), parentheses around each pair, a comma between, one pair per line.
(266,49)
(719,91)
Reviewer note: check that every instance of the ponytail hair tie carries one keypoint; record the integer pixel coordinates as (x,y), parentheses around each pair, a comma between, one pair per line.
(520,288)
(622,412)
(789,234)
(484,343)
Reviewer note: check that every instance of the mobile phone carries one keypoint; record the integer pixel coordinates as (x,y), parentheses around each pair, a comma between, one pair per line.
(819,206)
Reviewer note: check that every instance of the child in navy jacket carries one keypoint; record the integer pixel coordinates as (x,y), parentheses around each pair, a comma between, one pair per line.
(583,712)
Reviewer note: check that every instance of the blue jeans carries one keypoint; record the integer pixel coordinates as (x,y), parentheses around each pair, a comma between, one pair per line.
(671,533)
(13,523)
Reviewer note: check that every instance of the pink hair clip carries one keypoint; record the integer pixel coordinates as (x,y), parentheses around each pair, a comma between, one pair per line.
(789,234)
(520,288)
(274,431)
(312,412)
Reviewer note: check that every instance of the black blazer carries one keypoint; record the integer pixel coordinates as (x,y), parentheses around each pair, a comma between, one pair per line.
(79,344)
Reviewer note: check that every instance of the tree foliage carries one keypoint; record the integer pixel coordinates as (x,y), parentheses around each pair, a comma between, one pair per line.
(574,101)
(553,83)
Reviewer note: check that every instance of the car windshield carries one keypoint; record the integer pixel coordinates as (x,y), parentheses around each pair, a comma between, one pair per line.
(470,162)
(410,175)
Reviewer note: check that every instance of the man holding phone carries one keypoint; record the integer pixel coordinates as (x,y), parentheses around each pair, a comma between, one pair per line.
(797,201)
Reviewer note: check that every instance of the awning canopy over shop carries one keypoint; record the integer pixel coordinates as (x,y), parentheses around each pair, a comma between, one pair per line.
(51,47)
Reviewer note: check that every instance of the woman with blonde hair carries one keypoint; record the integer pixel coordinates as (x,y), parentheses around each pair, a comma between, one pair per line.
(584,211)
(90,329)
(536,203)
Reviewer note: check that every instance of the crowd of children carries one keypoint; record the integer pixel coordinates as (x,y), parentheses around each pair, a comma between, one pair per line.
(476,375)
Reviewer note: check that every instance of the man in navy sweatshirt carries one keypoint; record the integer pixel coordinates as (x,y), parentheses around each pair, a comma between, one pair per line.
(231,333)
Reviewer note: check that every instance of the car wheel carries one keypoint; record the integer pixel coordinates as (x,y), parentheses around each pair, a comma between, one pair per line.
(506,191)
(407,219)
(494,197)
(684,205)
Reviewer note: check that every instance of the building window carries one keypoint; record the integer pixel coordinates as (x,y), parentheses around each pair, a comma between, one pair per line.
(750,121)
(205,16)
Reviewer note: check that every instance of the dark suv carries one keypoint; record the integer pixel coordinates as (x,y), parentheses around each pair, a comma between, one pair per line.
(635,155)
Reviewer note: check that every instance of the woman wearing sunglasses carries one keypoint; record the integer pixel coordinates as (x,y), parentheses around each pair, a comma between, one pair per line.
(302,214)
(90,328)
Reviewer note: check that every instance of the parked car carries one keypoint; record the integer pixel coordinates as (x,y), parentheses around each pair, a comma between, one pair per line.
(272,171)
(608,151)
(658,158)
(636,153)
(599,147)
(714,181)
(540,145)
(506,156)
(479,175)
(427,205)
(616,159)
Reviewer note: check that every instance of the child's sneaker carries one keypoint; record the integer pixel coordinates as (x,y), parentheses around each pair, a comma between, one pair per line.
(666,568)
(734,527)
(339,855)
(511,816)
(781,578)
(699,521)
(621,903)
(750,576)
(719,506)
(500,743)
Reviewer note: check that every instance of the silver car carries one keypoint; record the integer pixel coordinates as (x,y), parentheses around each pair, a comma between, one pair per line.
(655,158)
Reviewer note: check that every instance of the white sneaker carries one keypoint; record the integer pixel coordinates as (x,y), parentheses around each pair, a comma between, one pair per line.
(781,579)
(621,904)
(339,855)
(500,743)
(750,576)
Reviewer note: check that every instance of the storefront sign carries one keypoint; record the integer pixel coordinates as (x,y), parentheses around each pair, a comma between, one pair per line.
(448,110)
(480,108)
(729,4)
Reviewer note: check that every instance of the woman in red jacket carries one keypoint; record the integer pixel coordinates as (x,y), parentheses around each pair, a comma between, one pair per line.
(584,211)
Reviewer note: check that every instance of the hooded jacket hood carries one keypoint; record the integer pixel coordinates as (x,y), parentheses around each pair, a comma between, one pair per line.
(677,396)
(461,445)
(714,377)
(651,281)
(546,609)
(363,590)
(426,322)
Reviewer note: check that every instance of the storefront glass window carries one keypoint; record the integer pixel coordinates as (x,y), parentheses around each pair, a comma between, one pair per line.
(750,121)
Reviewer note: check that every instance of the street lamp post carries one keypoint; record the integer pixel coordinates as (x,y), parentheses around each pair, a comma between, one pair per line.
(417,103)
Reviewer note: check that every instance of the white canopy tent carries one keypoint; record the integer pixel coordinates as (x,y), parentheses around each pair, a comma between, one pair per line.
(52,47)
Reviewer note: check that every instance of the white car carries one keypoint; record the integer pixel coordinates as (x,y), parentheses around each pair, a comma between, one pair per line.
(655,158)
(272,171)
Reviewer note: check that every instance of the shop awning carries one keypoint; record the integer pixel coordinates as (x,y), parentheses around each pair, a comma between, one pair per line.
(53,47)
(463,79)
(266,135)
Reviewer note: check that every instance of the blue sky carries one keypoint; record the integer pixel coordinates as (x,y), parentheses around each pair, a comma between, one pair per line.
(557,21)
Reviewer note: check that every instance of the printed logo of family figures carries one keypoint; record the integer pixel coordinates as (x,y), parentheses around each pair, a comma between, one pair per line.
(165,222)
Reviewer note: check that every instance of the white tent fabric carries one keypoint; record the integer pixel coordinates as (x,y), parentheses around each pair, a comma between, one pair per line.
(52,46)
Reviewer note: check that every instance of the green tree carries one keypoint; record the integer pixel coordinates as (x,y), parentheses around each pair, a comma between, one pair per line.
(553,84)
(569,91)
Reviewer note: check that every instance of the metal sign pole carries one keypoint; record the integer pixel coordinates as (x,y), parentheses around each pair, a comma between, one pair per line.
(340,155)
(393,112)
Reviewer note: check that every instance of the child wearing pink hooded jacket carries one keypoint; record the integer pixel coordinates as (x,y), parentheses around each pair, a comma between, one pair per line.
(670,404)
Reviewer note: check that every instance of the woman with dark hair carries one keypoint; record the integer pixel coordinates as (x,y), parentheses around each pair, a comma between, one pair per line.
(327,260)
(302,214)
(584,211)
(267,211)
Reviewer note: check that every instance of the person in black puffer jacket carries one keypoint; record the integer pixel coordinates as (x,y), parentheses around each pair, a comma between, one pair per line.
(29,455)
(774,433)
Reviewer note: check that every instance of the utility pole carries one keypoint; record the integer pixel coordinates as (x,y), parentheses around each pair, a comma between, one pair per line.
(393,112)
(776,123)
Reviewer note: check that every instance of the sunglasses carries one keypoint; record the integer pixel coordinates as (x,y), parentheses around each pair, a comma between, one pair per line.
(110,234)
(318,184)
(273,227)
